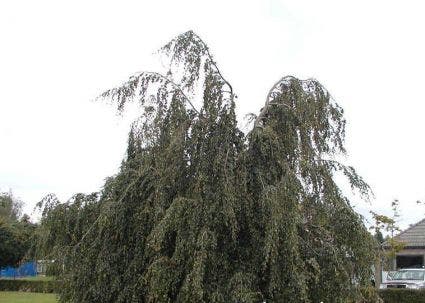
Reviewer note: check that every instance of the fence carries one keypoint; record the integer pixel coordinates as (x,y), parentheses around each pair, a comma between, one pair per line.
(24,270)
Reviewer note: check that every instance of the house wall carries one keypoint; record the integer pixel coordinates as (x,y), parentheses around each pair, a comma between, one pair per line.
(410,252)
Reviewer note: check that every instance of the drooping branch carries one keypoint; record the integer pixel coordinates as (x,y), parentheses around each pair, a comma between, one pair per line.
(267,104)
(214,64)
(355,180)
(133,83)
(177,50)
(178,88)
(192,65)
(102,215)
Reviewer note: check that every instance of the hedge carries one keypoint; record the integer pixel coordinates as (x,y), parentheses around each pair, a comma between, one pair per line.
(402,295)
(388,295)
(29,286)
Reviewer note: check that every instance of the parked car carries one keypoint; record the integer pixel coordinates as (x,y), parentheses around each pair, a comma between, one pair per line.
(406,278)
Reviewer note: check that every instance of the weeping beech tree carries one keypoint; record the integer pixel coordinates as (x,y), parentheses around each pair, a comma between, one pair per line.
(201,212)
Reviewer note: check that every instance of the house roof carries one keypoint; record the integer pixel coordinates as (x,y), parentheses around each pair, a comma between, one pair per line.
(414,236)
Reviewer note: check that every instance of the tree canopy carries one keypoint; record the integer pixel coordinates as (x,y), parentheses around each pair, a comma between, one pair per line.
(201,212)
(10,206)
(16,232)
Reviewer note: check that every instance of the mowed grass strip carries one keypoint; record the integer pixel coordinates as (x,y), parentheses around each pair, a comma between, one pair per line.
(26,297)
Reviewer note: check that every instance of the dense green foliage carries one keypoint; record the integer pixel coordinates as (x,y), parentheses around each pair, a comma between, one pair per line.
(61,228)
(39,286)
(200,212)
(16,234)
(16,239)
(8,244)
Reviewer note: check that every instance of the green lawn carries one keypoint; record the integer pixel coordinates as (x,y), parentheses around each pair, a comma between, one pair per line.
(26,297)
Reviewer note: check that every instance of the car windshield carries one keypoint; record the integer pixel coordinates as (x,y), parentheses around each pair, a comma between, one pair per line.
(409,275)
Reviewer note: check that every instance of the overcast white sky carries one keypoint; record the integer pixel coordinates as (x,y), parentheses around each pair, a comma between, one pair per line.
(56,56)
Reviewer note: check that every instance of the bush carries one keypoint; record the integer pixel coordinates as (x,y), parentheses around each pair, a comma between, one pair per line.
(369,295)
(402,295)
(29,286)
(53,269)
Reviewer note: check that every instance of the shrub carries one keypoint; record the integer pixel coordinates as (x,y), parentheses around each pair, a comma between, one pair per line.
(402,295)
(369,295)
(29,286)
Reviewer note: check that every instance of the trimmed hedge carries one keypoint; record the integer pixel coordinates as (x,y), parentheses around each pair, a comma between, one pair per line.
(29,286)
(402,295)
(388,295)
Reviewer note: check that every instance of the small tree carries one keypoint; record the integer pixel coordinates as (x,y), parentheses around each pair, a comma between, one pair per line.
(388,248)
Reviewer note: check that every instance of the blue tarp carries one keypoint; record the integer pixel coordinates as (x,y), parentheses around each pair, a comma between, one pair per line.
(24,270)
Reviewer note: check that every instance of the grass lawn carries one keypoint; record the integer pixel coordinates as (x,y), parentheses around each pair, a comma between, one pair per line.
(26,297)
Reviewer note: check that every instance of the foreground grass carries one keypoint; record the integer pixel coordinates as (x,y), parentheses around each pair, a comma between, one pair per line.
(26,297)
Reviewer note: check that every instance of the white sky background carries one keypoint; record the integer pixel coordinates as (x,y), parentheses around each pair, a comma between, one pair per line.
(57,56)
